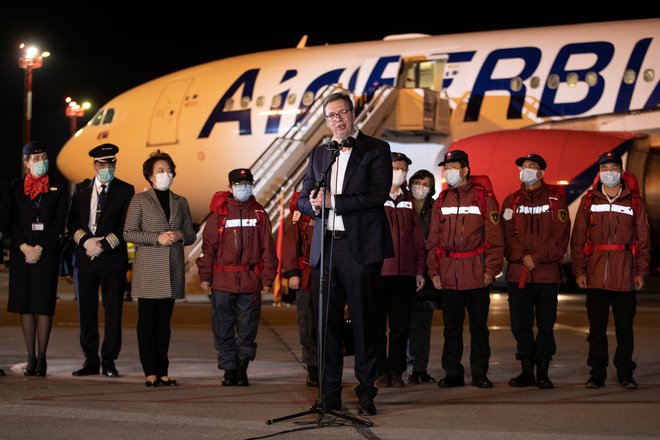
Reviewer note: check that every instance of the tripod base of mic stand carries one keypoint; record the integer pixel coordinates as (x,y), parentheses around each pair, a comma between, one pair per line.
(317,409)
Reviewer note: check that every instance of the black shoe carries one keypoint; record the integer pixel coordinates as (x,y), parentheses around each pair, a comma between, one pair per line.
(88,369)
(425,377)
(542,379)
(594,382)
(149,383)
(167,383)
(451,382)
(230,378)
(30,368)
(395,380)
(482,382)
(241,372)
(367,406)
(312,376)
(527,377)
(41,367)
(627,381)
(110,371)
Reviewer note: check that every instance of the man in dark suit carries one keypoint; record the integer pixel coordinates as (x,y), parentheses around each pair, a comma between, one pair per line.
(96,220)
(357,240)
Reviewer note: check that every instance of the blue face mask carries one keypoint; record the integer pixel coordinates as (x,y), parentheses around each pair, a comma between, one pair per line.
(106,174)
(40,168)
(610,178)
(453,177)
(242,192)
(529,176)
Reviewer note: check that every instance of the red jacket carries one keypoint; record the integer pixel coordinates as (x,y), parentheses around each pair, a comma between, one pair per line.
(407,236)
(464,230)
(535,230)
(607,223)
(247,259)
(295,250)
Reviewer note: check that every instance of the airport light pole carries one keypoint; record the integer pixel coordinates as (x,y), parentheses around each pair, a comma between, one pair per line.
(31,58)
(75,111)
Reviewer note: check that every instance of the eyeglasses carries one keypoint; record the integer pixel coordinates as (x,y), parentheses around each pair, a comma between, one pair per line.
(343,114)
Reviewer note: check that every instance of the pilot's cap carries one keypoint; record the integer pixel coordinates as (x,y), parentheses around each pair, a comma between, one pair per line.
(104,153)
(534,158)
(455,156)
(401,156)
(240,175)
(33,147)
(610,157)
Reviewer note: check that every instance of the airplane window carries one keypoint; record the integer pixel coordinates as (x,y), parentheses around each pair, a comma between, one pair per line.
(229,104)
(291,99)
(109,116)
(630,76)
(98,117)
(553,81)
(516,84)
(260,101)
(591,78)
(649,75)
(245,101)
(572,79)
(277,101)
(308,98)
(535,82)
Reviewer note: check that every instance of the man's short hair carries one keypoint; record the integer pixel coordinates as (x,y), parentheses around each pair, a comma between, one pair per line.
(337,97)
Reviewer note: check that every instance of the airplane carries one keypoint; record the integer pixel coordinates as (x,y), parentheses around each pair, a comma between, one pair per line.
(421,93)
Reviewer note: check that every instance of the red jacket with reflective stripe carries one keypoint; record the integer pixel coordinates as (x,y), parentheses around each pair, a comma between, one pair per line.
(246,240)
(407,236)
(464,230)
(536,231)
(607,223)
(296,247)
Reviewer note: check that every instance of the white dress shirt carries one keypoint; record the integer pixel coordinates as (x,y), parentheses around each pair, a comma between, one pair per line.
(94,202)
(335,222)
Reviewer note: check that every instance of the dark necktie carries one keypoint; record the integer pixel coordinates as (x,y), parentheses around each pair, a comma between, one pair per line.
(99,204)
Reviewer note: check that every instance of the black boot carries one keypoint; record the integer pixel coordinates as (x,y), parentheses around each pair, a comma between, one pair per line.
(526,378)
(230,378)
(312,376)
(542,379)
(241,372)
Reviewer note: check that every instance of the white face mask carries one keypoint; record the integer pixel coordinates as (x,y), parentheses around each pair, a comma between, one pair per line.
(610,178)
(242,192)
(163,181)
(398,177)
(40,168)
(453,177)
(529,176)
(420,191)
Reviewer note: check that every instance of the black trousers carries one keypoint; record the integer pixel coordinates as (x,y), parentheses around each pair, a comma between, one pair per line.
(153,331)
(113,284)
(624,307)
(348,281)
(307,327)
(538,301)
(394,301)
(454,304)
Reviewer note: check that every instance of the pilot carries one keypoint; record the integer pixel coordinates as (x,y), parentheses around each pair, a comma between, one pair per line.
(610,250)
(96,221)
(536,232)
(464,253)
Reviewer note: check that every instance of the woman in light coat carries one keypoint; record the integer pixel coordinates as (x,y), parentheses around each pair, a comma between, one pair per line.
(159,224)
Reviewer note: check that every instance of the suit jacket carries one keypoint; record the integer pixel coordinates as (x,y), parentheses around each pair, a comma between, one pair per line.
(111,225)
(366,187)
(158,271)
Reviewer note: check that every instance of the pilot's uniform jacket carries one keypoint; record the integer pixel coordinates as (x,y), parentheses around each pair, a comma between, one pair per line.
(463,243)
(247,260)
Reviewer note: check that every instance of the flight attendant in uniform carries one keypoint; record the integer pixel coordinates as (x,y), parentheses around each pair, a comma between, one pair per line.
(465,248)
(38,206)
(96,219)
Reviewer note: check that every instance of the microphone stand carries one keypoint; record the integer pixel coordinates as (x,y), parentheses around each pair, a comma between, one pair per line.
(318,407)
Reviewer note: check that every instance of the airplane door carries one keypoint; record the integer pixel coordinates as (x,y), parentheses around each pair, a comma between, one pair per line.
(422,73)
(163,129)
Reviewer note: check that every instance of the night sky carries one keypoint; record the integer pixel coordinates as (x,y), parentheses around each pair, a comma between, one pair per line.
(98,55)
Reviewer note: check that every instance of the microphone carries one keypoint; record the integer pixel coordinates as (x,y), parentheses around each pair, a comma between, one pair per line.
(332,145)
(349,142)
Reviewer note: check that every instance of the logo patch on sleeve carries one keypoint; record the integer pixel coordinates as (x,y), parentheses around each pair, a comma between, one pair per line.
(508,214)
(562,215)
(494,217)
